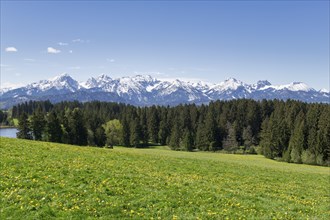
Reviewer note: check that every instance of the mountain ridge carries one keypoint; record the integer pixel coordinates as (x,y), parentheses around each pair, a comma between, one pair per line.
(146,90)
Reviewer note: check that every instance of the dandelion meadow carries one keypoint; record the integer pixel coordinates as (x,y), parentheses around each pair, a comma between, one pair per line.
(42,180)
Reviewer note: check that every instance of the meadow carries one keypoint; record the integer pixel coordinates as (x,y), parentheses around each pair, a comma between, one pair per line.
(42,180)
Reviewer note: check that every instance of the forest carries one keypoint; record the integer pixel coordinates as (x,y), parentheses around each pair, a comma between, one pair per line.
(290,131)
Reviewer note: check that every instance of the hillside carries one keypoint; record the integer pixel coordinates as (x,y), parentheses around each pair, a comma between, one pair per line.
(48,180)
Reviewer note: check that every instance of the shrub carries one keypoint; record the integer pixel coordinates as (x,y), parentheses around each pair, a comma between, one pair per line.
(308,157)
(287,156)
(319,160)
(258,149)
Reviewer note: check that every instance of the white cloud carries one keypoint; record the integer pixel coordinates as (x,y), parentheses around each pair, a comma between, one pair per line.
(29,60)
(110,60)
(11,49)
(9,69)
(3,65)
(78,40)
(62,44)
(75,68)
(53,50)
(70,51)
(160,74)
(5,85)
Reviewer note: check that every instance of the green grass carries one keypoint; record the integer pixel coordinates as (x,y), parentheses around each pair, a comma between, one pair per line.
(46,180)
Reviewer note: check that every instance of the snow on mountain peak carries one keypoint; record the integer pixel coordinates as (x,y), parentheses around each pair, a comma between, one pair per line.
(137,84)
(294,86)
(90,83)
(228,84)
(100,81)
(144,89)
(231,79)
(143,78)
(202,86)
(60,82)
(104,77)
(297,86)
(61,77)
(177,82)
(261,83)
(63,81)
(324,90)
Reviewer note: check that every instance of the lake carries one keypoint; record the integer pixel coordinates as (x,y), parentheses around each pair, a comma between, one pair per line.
(8,132)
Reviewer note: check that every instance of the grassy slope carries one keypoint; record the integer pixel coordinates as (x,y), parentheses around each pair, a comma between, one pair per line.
(45,180)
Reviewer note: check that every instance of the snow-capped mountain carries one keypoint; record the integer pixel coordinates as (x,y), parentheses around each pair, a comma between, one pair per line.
(295,86)
(229,89)
(261,84)
(61,84)
(146,90)
(99,82)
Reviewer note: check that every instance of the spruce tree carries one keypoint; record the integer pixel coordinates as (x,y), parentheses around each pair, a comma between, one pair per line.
(323,138)
(312,117)
(78,128)
(266,138)
(144,127)
(247,137)
(163,132)
(135,135)
(67,130)
(278,139)
(153,124)
(24,131)
(38,124)
(54,129)
(3,117)
(126,133)
(254,120)
(187,142)
(211,129)
(230,142)
(185,118)
(175,136)
(201,136)
(100,137)
(297,139)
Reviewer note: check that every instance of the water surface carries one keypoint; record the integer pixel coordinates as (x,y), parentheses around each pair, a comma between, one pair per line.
(8,132)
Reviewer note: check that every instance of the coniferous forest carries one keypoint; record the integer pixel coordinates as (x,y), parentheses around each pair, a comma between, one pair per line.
(290,131)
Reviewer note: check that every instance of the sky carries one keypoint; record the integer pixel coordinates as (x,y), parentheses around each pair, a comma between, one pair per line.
(278,41)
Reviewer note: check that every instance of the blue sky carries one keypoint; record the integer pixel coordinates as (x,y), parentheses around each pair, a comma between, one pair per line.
(281,41)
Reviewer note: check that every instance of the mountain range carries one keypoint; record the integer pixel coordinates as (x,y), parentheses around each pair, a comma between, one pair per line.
(144,90)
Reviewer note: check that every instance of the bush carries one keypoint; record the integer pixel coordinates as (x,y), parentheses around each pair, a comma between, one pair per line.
(239,151)
(295,155)
(319,160)
(286,156)
(258,149)
(252,150)
(308,157)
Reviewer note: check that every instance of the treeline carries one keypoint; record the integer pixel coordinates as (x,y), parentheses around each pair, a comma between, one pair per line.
(3,118)
(6,119)
(290,130)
